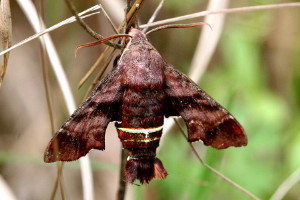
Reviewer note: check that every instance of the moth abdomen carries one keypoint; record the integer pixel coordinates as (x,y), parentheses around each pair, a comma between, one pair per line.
(140,130)
(144,169)
(139,138)
(141,144)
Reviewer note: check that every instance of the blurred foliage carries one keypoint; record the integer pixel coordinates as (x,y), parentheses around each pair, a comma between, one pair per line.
(254,73)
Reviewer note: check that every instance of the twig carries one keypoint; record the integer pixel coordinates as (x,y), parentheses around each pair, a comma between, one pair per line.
(130,15)
(122,183)
(101,72)
(208,40)
(5,190)
(5,35)
(110,21)
(58,182)
(31,13)
(224,11)
(213,170)
(154,15)
(286,185)
(92,69)
(45,67)
(86,27)
(116,9)
(54,27)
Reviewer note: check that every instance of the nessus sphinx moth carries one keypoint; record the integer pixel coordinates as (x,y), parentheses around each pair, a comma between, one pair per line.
(138,93)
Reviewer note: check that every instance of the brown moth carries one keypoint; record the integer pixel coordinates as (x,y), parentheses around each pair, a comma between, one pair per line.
(137,94)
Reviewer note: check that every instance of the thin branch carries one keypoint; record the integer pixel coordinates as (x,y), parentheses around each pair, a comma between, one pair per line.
(5,190)
(115,8)
(85,26)
(5,35)
(283,189)
(92,69)
(130,15)
(45,72)
(122,182)
(110,21)
(101,72)
(32,15)
(213,170)
(208,40)
(224,11)
(54,27)
(58,182)
(154,15)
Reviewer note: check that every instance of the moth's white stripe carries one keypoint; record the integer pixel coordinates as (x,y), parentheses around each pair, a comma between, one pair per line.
(145,140)
(141,130)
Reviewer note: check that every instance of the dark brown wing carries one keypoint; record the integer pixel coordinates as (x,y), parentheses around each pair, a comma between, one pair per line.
(206,120)
(85,129)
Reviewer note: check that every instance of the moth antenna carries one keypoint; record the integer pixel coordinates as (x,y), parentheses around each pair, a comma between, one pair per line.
(99,42)
(178,26)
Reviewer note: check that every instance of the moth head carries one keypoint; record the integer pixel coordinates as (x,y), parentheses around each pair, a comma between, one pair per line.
(137,35)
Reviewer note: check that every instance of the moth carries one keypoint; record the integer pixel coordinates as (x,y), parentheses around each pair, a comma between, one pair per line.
(137,94)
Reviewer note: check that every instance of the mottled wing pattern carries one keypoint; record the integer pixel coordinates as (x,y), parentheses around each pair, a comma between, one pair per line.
(206,120)
(85,129)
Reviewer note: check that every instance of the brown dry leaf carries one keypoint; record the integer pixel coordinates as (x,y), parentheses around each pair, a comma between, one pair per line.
(6,34)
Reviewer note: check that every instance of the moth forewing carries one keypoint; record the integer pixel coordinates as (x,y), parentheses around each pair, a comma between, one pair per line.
(205,119)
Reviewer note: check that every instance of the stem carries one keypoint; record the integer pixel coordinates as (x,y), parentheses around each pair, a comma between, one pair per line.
(132,12)
(85,26)
(214,170)
(286,185)
(223,11)
(154,15)
(122,182)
